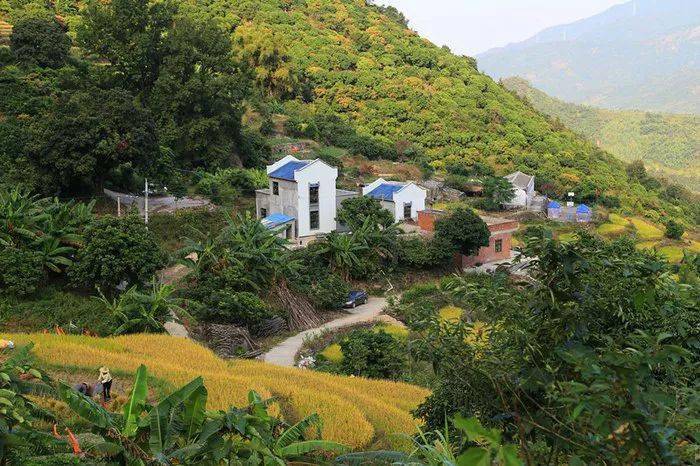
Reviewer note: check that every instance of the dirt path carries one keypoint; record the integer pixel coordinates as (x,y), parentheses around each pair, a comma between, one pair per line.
(283,354)
(170,276)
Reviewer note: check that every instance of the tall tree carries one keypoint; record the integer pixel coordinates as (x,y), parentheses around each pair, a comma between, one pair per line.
(40,41)
(465,230)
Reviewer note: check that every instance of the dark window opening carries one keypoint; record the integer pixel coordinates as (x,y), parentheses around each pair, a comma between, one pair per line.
(313,194)
(263,213)
(407,210)
(499,245)
(314,221)
(275,188)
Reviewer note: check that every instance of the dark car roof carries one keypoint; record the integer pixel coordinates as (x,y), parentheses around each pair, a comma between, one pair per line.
(356,293)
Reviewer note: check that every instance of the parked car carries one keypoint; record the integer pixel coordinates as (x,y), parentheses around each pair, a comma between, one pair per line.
(356,298)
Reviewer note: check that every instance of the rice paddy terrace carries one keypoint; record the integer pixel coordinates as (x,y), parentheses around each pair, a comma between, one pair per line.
(361,413)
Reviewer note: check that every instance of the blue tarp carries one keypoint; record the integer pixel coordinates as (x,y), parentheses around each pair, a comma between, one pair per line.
(583,209)
(553,205)
(385,191)
(275,220)
(286,171)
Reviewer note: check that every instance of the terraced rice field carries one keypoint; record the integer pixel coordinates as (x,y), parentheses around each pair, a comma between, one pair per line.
(358,412)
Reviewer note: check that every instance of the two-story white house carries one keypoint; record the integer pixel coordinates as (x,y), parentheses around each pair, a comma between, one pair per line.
(403,200)
(301,200)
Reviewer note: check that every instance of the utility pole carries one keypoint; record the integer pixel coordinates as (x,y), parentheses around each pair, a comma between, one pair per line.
(146,203)
(119,206)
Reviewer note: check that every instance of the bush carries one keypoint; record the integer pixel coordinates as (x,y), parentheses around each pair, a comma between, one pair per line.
(425,253)
(20,271)
(674,230)
(48,308)
(225,184)
(235,307)
(328,291)
(116,250)
(170,228)
(372,354)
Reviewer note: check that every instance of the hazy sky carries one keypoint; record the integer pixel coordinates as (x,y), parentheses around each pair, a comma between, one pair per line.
(474,26)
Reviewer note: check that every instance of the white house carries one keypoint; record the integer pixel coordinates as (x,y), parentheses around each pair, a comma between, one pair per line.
(403,200)
(301,200)
(523,188)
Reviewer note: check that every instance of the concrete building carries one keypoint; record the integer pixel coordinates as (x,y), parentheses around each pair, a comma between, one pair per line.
(403,200)
(304,193)
(500,243)
(523,189)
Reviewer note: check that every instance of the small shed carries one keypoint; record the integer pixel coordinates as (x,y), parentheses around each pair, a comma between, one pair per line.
(554,210)
(583,214)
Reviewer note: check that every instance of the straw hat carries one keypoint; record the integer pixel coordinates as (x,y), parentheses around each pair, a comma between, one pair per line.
(104,370)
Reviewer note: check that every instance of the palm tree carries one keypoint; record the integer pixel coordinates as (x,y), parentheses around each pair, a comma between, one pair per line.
(53,255)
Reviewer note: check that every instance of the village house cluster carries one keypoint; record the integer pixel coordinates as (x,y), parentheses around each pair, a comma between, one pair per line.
(302,201)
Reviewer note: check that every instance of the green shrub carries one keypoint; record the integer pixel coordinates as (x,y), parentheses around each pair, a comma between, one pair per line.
(116,250)
(225,184)
(464,229)
(40,41)
(170,228)
(49,307)
(674,230)
(235,307)
(425,253)
(21,271)
(372,354)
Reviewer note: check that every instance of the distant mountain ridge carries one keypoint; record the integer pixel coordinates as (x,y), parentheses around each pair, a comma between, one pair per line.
(643,54)
(668,144)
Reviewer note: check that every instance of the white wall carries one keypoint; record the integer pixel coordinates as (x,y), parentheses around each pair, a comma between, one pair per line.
(410,193)
(519,198)
(325,176)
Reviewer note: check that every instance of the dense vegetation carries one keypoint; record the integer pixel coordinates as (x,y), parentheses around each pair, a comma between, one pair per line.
(596,360)
(669,144)
(346,73)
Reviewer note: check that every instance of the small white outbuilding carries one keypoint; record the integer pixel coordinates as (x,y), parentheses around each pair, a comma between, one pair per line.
(403,200)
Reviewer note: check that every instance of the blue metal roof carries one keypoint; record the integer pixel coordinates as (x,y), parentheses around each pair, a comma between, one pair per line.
(286,171)
(553,205)
(385,191)
(275,220)
(583,209)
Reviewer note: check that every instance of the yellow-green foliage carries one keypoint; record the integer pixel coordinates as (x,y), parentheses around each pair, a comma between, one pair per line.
(567,237)
(646,230)
(359,412)
(611,229)
(672,253)
(397,331)
(451,313)
(333,353)
(618,220)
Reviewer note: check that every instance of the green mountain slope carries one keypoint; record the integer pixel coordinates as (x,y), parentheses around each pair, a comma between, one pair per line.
(642,54)
(668,144)
(352,74)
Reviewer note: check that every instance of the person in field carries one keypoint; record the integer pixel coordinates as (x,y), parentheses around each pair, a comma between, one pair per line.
(83,388)
(105,379)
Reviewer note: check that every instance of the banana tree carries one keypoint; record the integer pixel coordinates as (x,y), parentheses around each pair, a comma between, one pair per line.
(180,430)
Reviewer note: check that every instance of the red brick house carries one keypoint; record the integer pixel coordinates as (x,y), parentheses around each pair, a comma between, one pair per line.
(500,243)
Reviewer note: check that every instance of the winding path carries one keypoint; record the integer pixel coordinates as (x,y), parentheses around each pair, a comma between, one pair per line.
(283,354)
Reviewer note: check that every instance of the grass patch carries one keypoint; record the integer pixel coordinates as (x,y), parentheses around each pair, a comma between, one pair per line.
(397,331)
(646,230)
(611,229)
(333,353)
(616,219)
(672,253)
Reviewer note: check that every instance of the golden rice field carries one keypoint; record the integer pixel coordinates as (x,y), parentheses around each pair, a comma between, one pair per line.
(358,412)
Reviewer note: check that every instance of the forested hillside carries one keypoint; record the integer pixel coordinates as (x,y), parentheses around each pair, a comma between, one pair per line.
(668,144)
(149,87)
(641,54)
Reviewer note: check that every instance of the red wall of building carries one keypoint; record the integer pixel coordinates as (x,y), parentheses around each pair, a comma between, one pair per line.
(499,231)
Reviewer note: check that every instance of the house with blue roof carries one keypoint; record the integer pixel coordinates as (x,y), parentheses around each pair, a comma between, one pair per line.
(301,200)
(403,200)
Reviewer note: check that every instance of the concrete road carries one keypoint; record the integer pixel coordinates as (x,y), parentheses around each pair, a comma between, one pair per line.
(283,354)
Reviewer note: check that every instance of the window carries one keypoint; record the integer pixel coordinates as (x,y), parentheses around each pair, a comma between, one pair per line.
(499,245)
(407,210)
(263,213)
(275,188)
(313,194)
(314,221)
